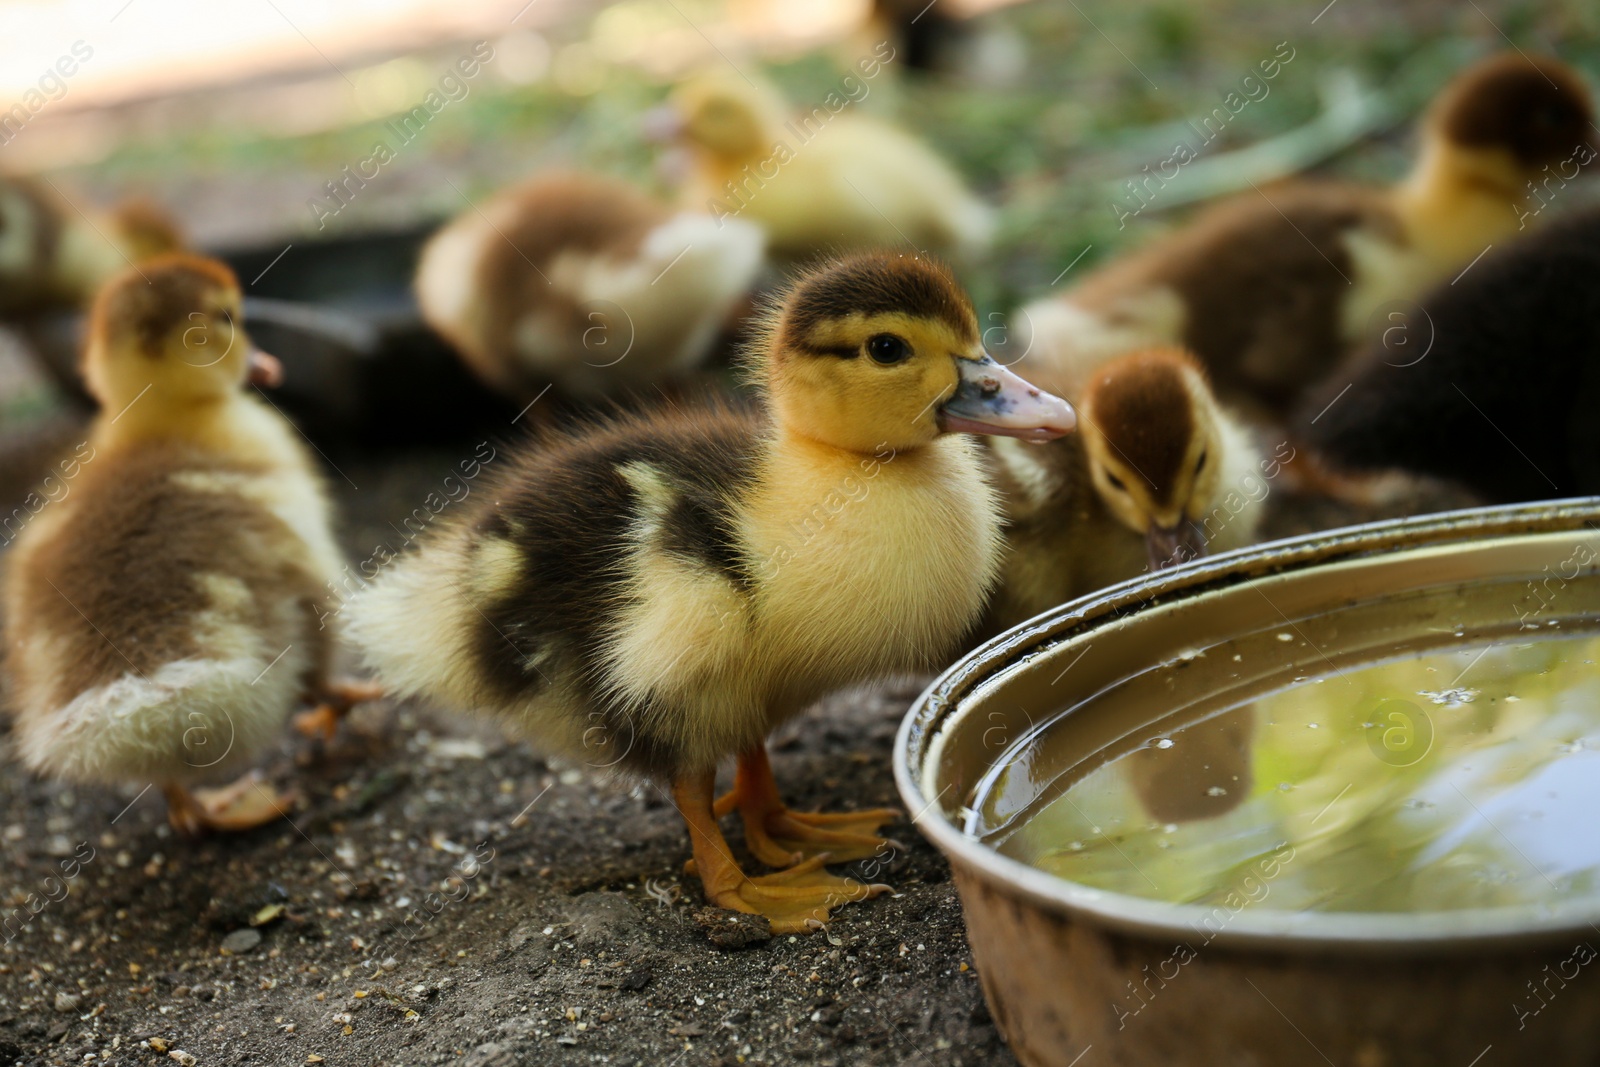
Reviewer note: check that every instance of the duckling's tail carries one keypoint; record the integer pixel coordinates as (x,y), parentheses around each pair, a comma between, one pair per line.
(191,719)
(413,626)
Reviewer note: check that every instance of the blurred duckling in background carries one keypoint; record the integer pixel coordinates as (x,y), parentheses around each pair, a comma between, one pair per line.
(586,282)
(53,256)
(1271,288)
(163,616)
(1158,474)
(822,180)
(1497,389)
(662,590)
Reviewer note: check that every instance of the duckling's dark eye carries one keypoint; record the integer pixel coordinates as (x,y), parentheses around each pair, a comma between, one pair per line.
(888,349)
(1200,464)
(1116,483)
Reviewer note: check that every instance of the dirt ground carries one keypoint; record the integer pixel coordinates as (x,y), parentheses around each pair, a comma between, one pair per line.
(565,930)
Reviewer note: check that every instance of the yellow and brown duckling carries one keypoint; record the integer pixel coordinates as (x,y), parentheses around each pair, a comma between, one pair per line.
(586,282)
(1496,390)
(165,616)
(661,590)
(1158,473)
(1271,288)
(820,181)
(52,255)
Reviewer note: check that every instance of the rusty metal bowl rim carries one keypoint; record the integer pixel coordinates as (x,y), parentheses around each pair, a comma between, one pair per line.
(1464,930)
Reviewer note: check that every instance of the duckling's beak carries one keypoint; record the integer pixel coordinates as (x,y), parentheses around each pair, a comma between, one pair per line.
(264,370)
(989,399)
(1172,545)
(662,123)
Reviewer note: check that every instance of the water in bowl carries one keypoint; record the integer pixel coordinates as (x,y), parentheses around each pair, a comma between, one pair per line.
(1447,779)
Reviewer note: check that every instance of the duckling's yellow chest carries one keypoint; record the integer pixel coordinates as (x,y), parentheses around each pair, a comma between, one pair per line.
(868,565)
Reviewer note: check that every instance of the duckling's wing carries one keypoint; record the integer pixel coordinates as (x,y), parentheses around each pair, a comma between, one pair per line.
(591,592)
(1243,486)
(1262,281)
(505,284)
(651,312)
(163,620)
(1513,336)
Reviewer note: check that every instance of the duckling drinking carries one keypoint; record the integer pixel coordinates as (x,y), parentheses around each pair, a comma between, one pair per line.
(1158,474)
(1270,289)
(163,617)
(586,282)
(661,590)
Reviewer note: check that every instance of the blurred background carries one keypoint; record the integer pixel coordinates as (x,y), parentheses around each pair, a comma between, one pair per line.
(236,115)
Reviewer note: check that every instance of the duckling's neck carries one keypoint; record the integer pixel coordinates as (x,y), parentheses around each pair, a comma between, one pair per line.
(737,178)
(869,563)
(233,426)
(1456,202)
(788,446)
(906,485)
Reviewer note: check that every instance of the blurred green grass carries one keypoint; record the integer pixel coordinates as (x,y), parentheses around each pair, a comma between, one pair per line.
(1043,140)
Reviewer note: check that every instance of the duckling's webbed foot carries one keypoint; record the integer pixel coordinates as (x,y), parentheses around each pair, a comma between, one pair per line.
(334,702)
(779,837)
(795,900)
(243,805)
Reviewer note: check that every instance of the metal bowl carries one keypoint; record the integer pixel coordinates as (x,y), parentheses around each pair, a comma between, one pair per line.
(1059,960)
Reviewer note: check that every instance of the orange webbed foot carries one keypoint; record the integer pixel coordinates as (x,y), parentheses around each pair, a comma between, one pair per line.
(778,836)
(334,702)
(842,836)
(796,899)
(242,805)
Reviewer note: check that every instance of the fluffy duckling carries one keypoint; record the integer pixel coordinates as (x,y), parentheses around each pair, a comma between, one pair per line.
(1158,474)
(1271,288)
(825,180)
(663,589)
(586,282)
(163,616)
(1498,386)
(51,255)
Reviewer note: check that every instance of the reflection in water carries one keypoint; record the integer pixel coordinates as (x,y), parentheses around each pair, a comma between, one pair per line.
(1199,772)
(1454,779)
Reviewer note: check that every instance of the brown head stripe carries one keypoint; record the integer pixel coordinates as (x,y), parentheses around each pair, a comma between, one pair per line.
(875,284)
(1145,412)
(159,296)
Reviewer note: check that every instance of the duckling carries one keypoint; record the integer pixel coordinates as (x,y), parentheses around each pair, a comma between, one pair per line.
(663,589)
(827,179)
(584,281)
(52,255)
(1271,288)
(1159,473)
(166,615)
(1500,390)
